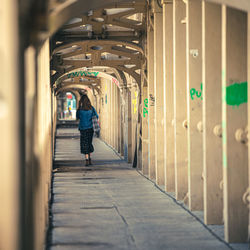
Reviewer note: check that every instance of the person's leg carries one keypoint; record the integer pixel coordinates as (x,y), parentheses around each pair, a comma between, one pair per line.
(90,163)
(91,148)
(86,159)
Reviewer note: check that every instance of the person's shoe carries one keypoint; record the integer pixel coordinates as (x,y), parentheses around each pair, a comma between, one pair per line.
(87,162)
(90,163)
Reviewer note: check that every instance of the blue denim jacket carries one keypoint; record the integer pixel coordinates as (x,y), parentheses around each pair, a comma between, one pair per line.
(85,117)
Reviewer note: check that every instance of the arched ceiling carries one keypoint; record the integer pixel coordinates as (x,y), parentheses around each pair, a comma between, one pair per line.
(109,35)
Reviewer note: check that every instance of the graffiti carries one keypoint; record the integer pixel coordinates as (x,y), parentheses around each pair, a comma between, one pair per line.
(116,82)
(145,108)
(194,92)
(152,100)
(236,94)
(82,73)
(134,101)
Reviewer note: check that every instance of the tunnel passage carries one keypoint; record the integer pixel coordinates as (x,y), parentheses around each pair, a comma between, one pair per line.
(171,78)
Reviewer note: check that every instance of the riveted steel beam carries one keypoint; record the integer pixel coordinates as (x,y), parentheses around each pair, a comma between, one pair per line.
(61,13)
(120,55)
(241,5)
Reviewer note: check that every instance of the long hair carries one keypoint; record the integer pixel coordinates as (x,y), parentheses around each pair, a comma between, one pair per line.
(85,103)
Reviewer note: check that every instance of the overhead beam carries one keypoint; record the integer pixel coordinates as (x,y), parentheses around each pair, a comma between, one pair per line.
(71,8)
(241,5)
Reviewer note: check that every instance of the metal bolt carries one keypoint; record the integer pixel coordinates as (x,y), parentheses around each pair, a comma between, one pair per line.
(218,130)
(221,184)
(200,126)
(241,135)
(185,124)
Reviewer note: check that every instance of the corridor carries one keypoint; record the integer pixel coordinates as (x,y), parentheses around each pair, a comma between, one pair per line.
(115,207)
(169,82)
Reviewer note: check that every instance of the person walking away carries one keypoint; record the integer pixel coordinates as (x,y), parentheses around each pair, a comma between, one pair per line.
(85,112)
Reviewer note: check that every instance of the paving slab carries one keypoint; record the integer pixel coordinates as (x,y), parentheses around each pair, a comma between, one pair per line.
(110,205)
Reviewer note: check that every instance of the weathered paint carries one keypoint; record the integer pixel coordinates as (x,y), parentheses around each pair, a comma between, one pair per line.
(236,94)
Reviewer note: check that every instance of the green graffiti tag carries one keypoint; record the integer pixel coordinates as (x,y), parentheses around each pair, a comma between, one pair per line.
(82,73)
(194,92)
(145,109)
(236,94)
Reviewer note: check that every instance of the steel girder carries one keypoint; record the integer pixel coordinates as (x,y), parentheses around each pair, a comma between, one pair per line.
(100,39)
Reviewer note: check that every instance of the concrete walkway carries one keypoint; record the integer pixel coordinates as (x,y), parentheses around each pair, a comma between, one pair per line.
(111,206)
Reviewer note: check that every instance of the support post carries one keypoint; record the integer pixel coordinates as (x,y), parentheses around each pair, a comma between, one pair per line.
(180,99)
(168,95)
(144,112)
(234,122)
(129,130)
(248,80)
(151,98)
(211,93)
(10,127)
(158,89)
(194,104)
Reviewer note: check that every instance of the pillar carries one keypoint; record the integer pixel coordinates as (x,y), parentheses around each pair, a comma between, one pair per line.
(144,112)
(10,117)
(129,126)
(248,80)
(116,119)
(134,116)
(168,95)
(119,120)
(234,122)
(151,100)
(159,101)
(211,94)
(194,104)
(180,98)
(112,114)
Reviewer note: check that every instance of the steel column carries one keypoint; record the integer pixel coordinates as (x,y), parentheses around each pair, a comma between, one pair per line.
(159,101)
(194,104)
(248,80)
(144,112)
(10,121)
(180,99)
(212,143)
(234,122)
(151,101)
(168,95)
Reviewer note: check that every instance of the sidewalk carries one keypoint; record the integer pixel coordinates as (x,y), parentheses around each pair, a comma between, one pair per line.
(111,206)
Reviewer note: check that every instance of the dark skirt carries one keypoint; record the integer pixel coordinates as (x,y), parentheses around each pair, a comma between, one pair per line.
(86,141)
